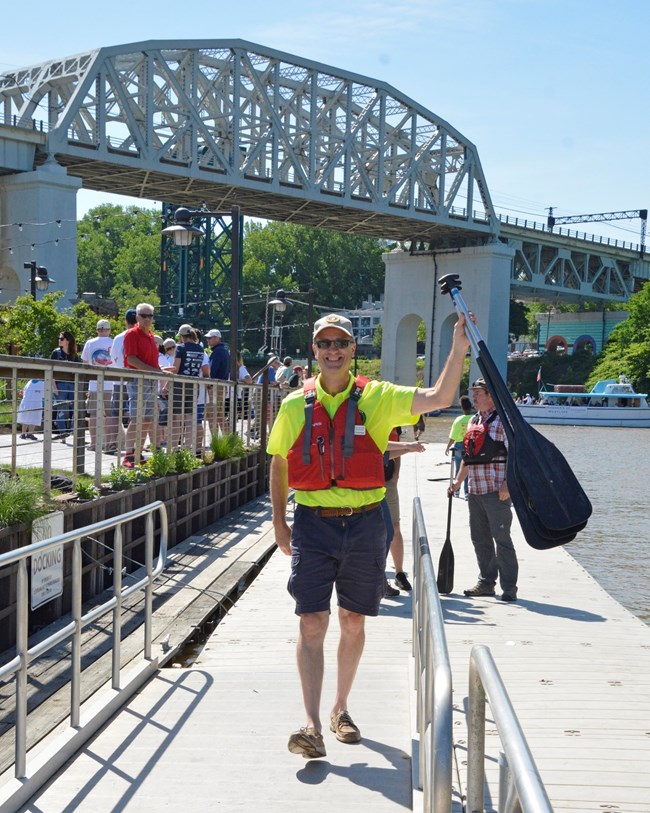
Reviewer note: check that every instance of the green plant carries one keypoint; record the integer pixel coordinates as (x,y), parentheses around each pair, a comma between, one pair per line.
(161,463)
(226,446)
(122,478)
(185,460)
(86,490)
(19,501)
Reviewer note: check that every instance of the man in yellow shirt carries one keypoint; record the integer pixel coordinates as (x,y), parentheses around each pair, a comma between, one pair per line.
(327,443)
(457,435)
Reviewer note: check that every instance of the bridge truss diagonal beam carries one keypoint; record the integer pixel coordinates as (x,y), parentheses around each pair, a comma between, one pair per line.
(228,121)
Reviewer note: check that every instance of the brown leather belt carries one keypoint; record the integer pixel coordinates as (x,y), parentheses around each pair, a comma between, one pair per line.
(343,512)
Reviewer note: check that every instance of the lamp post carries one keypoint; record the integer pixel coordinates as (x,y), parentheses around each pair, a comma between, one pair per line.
(183,232)
(39,280)
(280,304)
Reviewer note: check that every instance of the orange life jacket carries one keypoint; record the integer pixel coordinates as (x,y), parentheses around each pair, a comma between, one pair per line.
(335,452)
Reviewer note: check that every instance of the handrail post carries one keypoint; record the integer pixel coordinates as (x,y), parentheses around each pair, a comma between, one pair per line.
(75,655)
(475,740)
(117,610)
(148,591)
(21,676)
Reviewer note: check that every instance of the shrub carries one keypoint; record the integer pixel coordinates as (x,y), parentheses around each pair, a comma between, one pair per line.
(185,460)
(161,463)
(226,446)
(86,490)
(20,501)
(122,478)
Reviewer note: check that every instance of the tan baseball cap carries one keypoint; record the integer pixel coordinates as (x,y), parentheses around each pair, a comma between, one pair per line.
(334,320)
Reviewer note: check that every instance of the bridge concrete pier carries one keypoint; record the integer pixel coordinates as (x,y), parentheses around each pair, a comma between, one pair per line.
(37,200)
(411,295)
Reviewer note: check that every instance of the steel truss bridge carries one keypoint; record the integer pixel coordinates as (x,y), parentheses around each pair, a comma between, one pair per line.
(220,122)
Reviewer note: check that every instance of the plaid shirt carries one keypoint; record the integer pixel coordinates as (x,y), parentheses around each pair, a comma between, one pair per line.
(486,478)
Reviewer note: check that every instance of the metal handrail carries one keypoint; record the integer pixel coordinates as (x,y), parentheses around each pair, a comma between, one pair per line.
(76,459)
(432,677)
(520,786)
(19,665)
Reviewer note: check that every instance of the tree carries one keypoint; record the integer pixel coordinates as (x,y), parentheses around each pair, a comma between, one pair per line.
(518,324)
(627,351)
(341,269)
(33,326)
(119,247)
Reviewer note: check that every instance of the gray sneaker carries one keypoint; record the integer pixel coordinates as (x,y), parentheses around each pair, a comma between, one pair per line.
(479,590)
(307,742)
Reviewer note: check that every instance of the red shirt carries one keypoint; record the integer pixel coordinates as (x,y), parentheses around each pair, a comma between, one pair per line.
(140,344)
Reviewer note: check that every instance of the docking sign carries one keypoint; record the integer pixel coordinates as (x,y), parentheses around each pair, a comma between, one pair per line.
(47,565)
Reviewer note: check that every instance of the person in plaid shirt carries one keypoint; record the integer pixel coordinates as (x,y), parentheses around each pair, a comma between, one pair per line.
(490,508)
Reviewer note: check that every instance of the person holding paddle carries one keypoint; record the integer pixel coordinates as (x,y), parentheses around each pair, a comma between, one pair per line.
(490,515)
(327,444)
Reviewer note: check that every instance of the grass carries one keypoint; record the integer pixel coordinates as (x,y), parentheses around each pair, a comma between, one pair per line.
(226,446)
(20,501)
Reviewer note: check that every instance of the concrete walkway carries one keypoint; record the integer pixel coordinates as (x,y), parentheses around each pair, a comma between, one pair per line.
(213,736)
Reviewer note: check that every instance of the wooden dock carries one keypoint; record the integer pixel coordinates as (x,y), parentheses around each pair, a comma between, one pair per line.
(213,735)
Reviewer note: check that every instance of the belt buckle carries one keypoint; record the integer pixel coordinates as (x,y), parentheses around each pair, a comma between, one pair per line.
(349,509)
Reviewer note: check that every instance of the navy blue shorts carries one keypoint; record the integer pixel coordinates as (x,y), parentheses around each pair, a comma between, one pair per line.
(346,552)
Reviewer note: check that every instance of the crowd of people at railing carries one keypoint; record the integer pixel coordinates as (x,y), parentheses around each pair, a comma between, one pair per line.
(172,408)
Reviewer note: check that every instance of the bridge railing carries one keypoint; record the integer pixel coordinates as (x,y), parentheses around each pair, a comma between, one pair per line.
(523,223)
(12,120)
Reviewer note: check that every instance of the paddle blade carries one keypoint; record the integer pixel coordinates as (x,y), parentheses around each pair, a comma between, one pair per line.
(553,490)
(535,533)
(550,488)
(445,579)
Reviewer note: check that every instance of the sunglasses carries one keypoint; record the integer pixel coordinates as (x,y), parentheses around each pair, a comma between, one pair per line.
(145,315)
(61,338)
(325,344)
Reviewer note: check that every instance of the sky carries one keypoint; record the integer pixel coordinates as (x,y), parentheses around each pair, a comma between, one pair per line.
(553,93)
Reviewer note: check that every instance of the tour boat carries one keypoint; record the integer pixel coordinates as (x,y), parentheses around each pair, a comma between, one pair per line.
(610,403)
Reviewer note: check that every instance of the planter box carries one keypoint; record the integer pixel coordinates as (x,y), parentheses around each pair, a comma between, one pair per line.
(193,501)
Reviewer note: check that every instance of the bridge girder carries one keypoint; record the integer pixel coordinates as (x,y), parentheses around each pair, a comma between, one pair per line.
(227,121)
(550,268)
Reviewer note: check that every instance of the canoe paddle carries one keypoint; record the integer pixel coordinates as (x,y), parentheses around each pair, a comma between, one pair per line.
(445,579)
(549,501)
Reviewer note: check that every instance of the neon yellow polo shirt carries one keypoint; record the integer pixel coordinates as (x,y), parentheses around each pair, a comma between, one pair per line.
(459,428)
(384,405)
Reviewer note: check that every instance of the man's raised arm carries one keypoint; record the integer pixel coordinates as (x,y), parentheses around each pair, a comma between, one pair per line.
(442,394)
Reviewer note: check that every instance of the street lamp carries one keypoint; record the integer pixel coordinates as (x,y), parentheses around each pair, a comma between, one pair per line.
(183,232)
(39,280)
(280,305)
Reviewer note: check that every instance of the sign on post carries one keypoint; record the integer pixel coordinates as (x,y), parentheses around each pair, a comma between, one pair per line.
(47,566)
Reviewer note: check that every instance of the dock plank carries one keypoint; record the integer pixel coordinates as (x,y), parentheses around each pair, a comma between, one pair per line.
(575,663)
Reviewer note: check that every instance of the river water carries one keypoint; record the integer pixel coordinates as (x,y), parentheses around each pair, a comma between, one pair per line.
(613,467)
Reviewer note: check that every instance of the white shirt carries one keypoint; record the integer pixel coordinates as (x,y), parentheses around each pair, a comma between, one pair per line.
(117,351)
(97,352)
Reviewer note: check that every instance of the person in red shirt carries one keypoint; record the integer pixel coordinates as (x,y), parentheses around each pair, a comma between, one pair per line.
(141,353)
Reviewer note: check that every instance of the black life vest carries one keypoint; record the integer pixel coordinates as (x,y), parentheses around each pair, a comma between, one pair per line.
(479,448)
